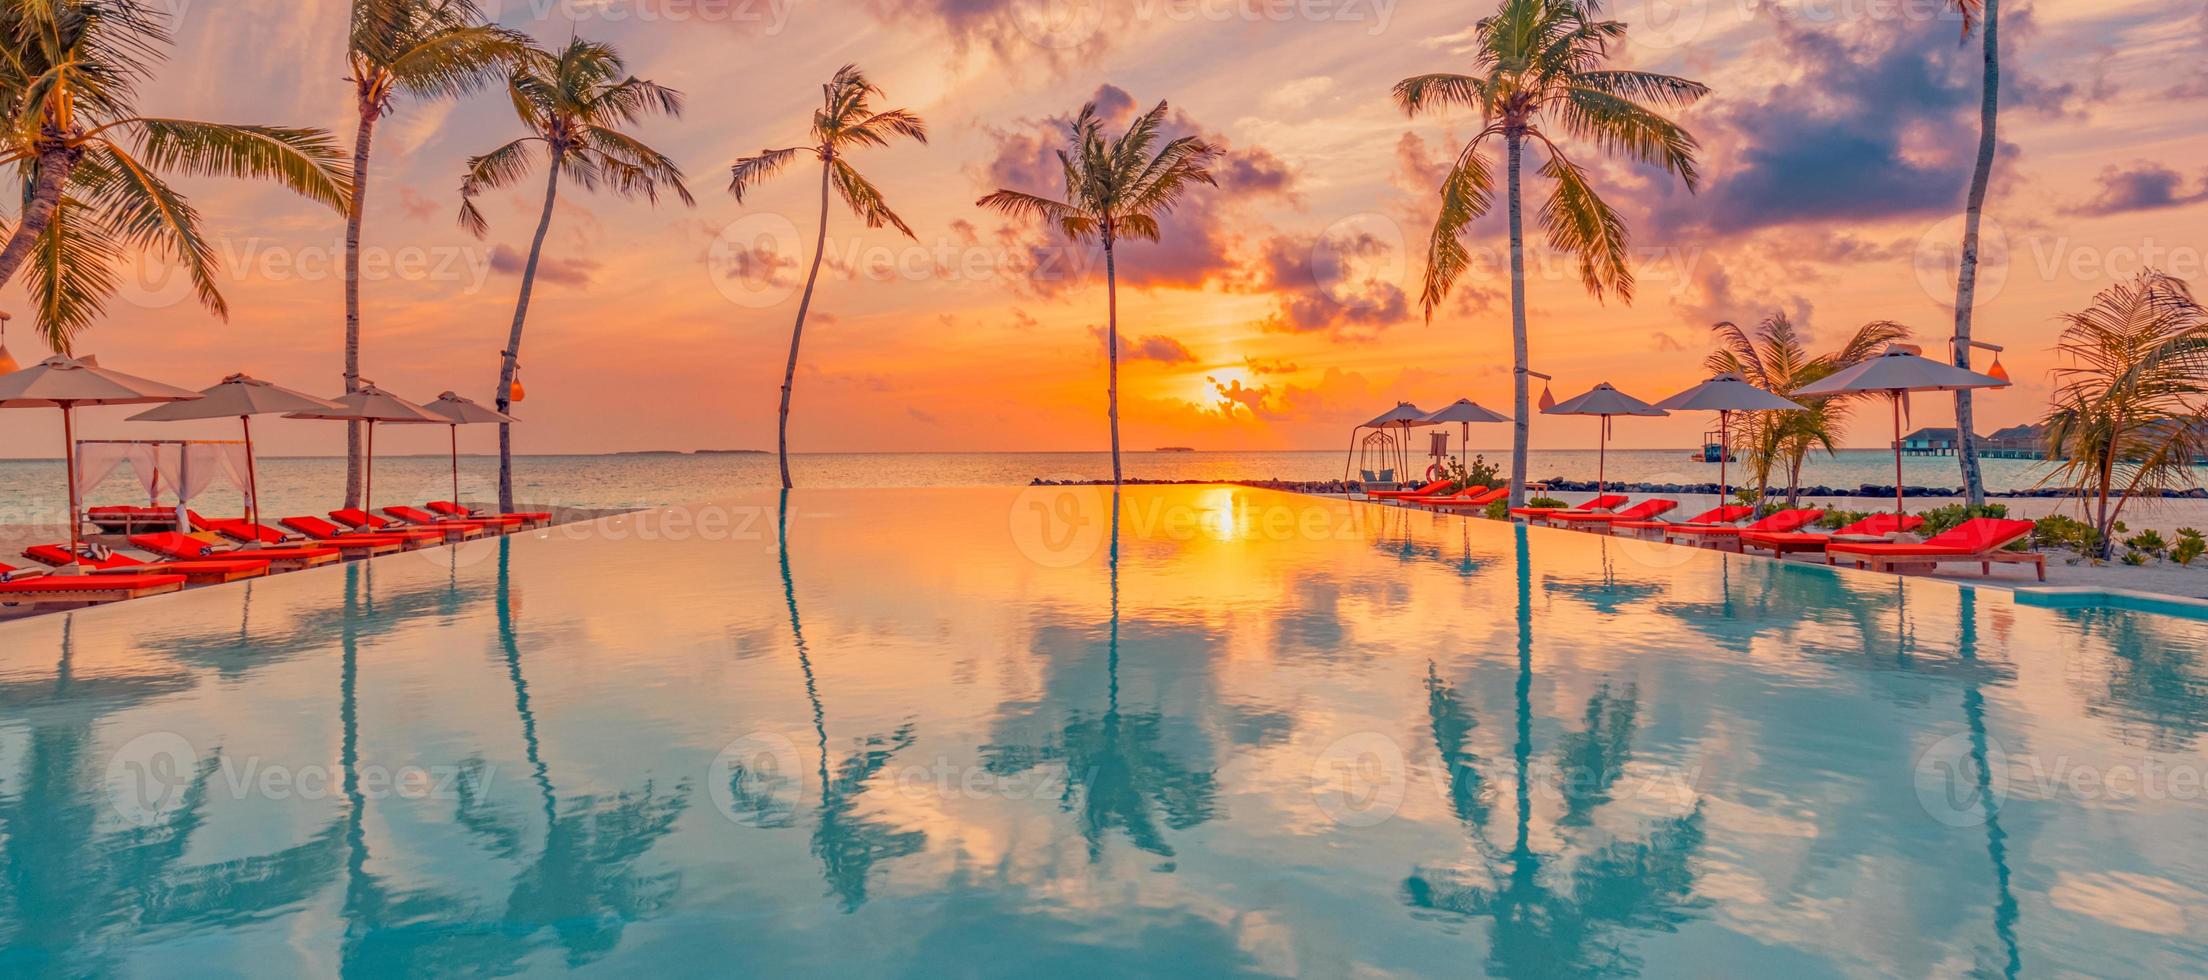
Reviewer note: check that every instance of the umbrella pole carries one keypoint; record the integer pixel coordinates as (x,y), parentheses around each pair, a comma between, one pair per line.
(1602,455)
(252,480)
(1724,452)
(455,430)
(69,460)
(1897,454)
(368,477)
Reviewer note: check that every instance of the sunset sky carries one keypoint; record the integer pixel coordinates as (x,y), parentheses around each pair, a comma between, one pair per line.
(1281,307)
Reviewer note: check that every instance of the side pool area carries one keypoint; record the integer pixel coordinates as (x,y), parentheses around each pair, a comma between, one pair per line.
(1205,730)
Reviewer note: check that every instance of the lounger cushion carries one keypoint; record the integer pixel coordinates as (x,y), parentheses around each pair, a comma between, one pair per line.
(90,583)
(1883,524)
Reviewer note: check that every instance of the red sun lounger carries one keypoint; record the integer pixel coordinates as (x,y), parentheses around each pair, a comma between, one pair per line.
(1984,540)
(1722,515)
(208,572)
(1728,536)
(363,546)
(1425,491)
(450,509)
(361,520)
(1587,521)
(1607,501)
(1466,501)
(38,588)
(1875,527)
(184,547)
(324,532)
(417,517)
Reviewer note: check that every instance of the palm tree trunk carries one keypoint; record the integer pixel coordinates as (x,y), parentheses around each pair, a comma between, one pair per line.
(1966,281)
(55,161)
(361,139)
(1111,350)
(512,354)
(1521,427)
(797,333)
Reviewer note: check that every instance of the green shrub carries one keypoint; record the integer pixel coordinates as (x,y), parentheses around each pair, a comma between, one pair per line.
(2135,558)
(1545,502)
(1836,519)
(2149,541)
(1748,497)
(2058,531)
(1940,519)
(1498,511)
(2189,546)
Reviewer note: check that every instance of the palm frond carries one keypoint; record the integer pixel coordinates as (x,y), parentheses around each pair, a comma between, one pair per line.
(747,172)
(1073,222)
(144,212)
(71,274)
(1580,223)
(499,168)
(307,161)
(1619,125)
(1467,192)
(455,61)
(864,199)
(1420,93)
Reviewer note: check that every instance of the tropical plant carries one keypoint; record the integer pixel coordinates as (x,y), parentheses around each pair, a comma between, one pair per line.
(1775,359)
(574,103)
(430,49)
(94,172)
(1115,189)
(1966,279)
(1948,517)
(1536,80)
(2125,419)
(2189,547)
(2061,531)
(845,120)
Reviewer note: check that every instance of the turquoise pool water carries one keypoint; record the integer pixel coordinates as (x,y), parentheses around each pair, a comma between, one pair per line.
(974,732)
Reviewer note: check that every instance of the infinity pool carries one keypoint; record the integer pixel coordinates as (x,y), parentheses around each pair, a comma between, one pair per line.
(979,732)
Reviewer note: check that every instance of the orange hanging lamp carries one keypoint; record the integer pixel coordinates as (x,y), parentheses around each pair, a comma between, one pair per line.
(8,364)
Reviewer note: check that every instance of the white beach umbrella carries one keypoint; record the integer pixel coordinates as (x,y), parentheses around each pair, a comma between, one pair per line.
(241,397)
(1464,412)
(1605,402)
(1725,394)
(1403,418)
(1896,373)
(68,383)
(370,404)
(455,411)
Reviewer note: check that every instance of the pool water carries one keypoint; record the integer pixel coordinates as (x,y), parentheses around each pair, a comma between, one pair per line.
(1004,732)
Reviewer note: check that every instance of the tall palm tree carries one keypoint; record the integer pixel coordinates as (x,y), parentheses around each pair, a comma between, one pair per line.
(2126,417)
(573,103)
(1115,189)
(430,49)
(1966,278)
(1775,359)
(1536,80)
(845,120)
(94,172)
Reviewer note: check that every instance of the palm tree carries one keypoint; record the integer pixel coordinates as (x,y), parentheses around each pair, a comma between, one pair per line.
(1775,359)
(94,171)
(430,49)
(845,120)
(1536,80)
(1115,189)
(573,104)
(1966,279)
(2126,417)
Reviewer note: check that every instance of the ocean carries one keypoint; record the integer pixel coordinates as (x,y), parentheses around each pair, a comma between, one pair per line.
(31,491)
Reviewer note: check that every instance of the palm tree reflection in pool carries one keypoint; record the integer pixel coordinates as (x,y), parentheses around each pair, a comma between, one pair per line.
(848,843)
(1544,926)
(1117,766)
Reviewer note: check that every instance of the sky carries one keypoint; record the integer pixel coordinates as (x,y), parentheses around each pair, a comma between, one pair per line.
(1281,307)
